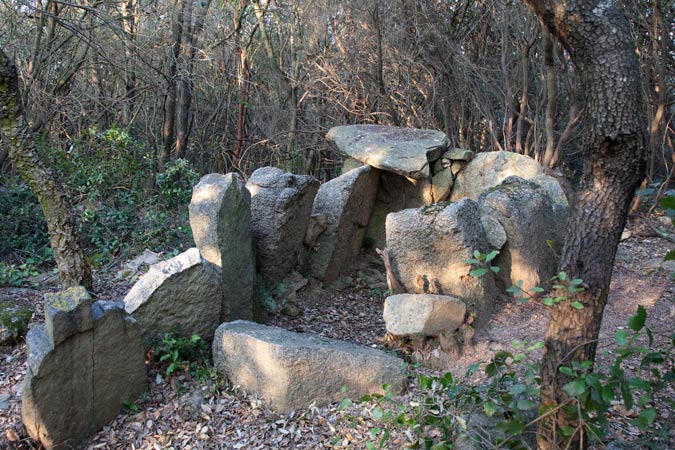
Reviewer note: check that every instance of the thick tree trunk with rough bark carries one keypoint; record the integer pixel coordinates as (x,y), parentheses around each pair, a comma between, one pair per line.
(17,138)
(596,35)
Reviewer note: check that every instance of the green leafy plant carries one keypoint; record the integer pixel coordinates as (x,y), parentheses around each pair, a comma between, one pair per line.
(562,287)
(481,263)
(182,354)
(13,275)
(447,407)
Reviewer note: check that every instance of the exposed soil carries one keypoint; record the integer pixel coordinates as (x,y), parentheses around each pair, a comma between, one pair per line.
(183,413)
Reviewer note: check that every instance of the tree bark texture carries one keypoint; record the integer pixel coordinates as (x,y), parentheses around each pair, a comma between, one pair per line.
(17,137)
(596,35)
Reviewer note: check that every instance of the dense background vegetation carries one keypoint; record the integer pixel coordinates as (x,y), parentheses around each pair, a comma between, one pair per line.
(132,99)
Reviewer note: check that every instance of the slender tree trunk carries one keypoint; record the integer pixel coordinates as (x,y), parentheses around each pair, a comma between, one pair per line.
(597,36)
(169,121)
(16,136)
(130,25)
(550,99)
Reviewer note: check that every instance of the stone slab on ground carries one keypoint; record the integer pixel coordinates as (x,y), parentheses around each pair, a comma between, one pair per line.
(281,204)
(346,204)
(431,243)
(405,151)
(73,388)
(181,294)
(220,218)
(427,314)
(291,370)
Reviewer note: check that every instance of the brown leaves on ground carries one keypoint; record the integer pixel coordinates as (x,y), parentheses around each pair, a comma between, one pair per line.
(183,413)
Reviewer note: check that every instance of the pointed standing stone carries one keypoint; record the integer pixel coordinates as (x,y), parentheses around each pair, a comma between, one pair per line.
(220,217)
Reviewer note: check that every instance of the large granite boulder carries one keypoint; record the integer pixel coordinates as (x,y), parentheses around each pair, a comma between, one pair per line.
(431,243)
(427,314)
(345,203)
(281,204)
(487,170)
(220,218)
(291,370)
(181,294)
(528,218)
(405,151)
(83,364)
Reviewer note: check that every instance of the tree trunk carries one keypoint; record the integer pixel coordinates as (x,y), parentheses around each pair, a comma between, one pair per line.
(17,137)
(597,36)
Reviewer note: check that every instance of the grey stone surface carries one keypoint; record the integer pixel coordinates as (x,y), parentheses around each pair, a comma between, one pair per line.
(426,314)
(220,217)
(405,151)
(346,203)
(349,164)
(441,185)
(281,204)
(527,215)
(489,169)
(67,312)
(431,242)
(183,293)
(291,370)
(73,388)
(496,235)
(458,154)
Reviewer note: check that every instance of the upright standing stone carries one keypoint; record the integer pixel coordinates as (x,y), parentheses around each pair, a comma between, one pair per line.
(346,202)
(220,217)
(431,243)
(77,384)
(281,204)
(527,216)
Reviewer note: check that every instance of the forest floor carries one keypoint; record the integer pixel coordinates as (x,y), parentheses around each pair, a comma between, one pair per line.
(181,412)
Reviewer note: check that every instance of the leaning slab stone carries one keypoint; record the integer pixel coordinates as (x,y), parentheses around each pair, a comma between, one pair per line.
(405,151)
(426,314)
(220,218)
(183,293)
(73,388)
(346,203)
(431,243)
(528,218)
(281,204)
(291,370)
(67,313)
